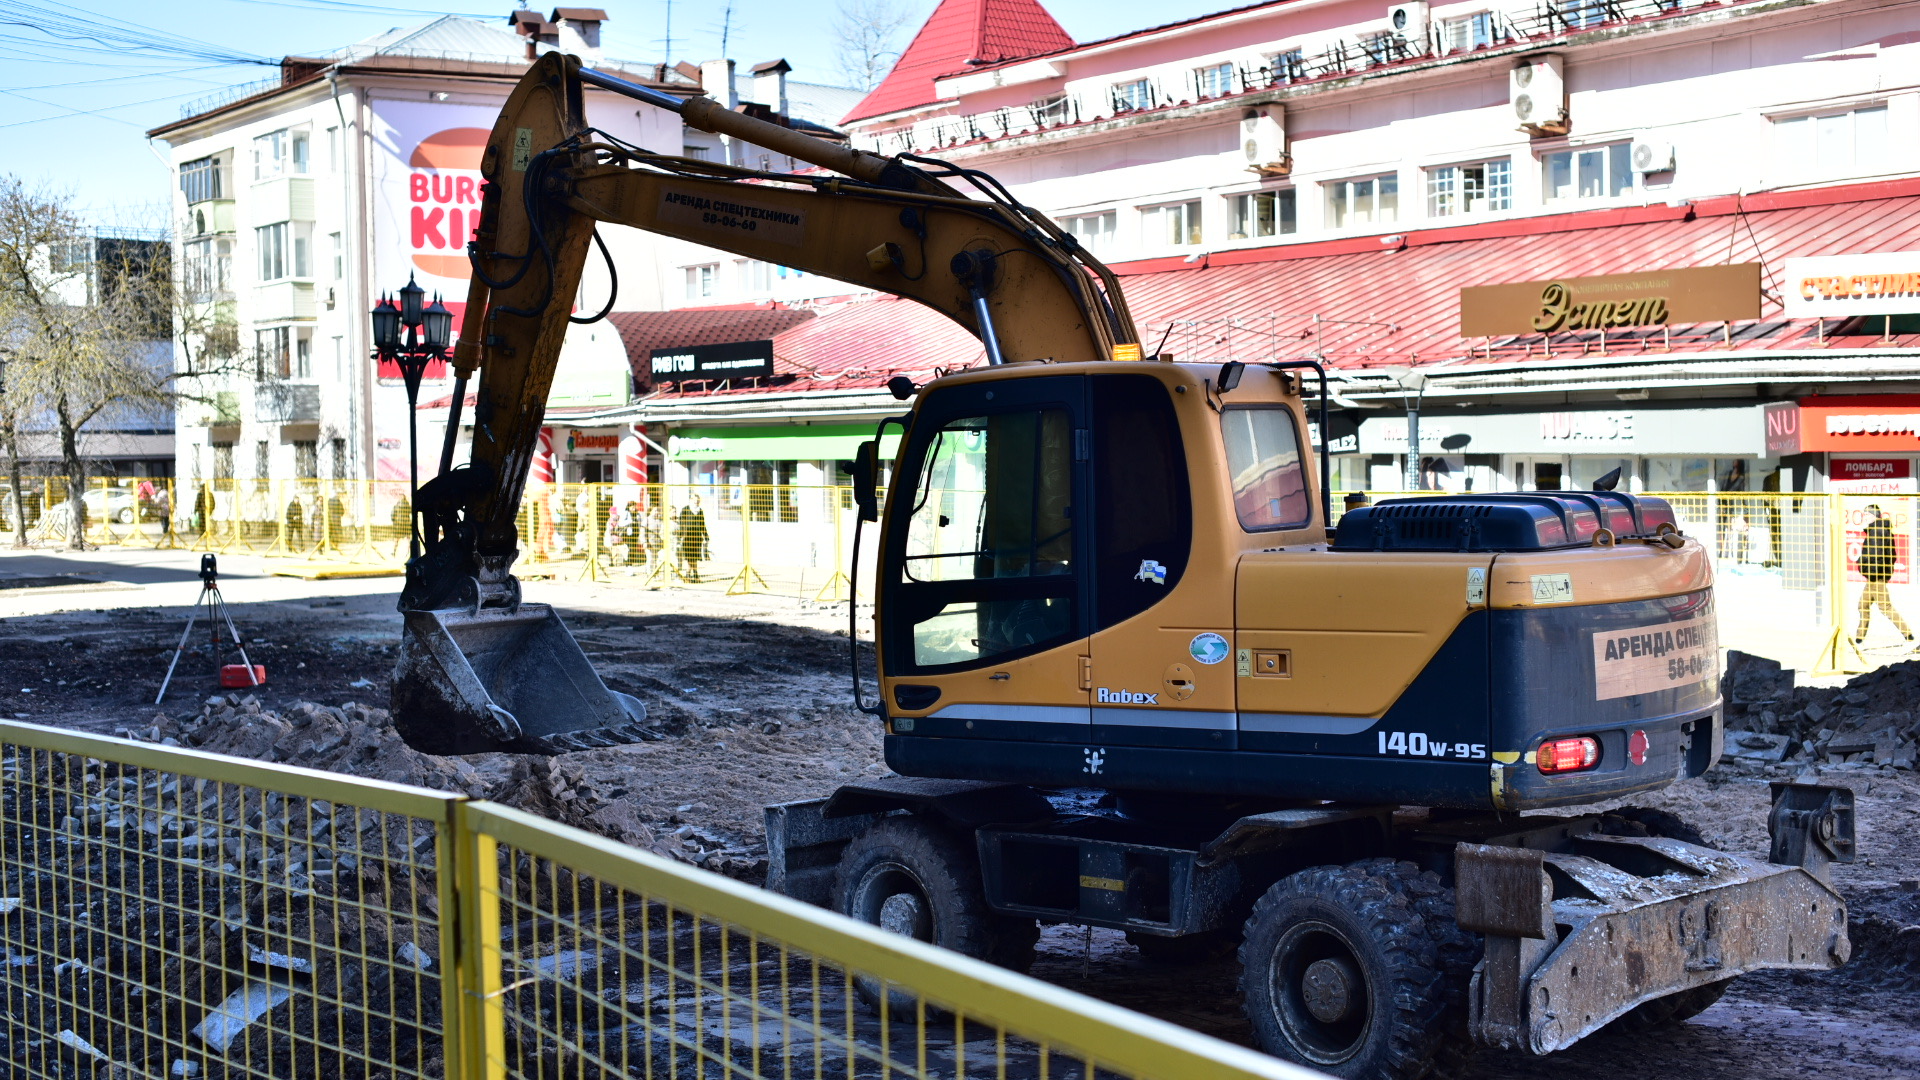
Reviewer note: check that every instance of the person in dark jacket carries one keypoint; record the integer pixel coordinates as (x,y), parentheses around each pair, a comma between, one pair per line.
(1878,555)
(692,528)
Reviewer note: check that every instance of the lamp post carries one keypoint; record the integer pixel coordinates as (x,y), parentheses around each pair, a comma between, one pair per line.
(429,332)
(1414,381)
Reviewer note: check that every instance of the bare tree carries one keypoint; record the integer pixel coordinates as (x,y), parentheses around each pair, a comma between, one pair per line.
(92,324)
(865,34)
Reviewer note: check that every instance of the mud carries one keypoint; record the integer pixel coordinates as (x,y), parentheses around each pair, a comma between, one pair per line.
(750,697)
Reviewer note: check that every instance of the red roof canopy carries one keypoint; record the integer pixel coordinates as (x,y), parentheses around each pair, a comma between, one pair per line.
(959,31)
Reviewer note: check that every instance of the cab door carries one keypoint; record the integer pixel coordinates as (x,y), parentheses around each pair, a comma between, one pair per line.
(983,582)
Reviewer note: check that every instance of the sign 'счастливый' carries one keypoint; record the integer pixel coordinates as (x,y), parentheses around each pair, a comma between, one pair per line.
(1654,298)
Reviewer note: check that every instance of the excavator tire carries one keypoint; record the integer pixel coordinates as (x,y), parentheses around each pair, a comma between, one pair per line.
(1342,974)
(1687,1004)
(910,876)
(1189,951)
(1457,951)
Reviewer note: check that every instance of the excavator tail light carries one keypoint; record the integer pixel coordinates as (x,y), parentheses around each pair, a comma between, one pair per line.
(1568,755)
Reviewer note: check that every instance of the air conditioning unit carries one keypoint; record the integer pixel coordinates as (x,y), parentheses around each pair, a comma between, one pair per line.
(1263,139)
(1537,89)
(1652,157)
(1410,20)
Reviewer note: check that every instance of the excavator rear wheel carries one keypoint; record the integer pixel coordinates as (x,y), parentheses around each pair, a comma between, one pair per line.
(1342,975)
(910,876)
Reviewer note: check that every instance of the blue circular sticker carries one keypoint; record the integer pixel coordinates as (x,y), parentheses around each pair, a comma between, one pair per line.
(1208,648)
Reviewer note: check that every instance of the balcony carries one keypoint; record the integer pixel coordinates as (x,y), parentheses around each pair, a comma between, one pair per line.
(282,301)
(212,217)
(1551,22)
(286,403)
(286,198)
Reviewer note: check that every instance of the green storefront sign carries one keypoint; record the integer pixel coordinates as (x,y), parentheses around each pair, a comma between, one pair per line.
(815,442)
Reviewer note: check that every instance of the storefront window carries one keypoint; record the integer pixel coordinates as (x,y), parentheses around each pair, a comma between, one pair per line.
(1678,474)
(1584,472)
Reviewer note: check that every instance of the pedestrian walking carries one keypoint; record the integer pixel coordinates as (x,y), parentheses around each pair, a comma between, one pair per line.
(692,527)
(1878,555)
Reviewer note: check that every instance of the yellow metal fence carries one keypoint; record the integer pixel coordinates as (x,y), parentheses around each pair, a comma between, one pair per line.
(1790,585)
(173,913)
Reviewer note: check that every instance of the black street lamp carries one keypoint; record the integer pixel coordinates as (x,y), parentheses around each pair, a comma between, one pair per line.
(429,332)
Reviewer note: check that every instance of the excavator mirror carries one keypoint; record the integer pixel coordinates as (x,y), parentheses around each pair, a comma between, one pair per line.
(1229,377)
(866,463)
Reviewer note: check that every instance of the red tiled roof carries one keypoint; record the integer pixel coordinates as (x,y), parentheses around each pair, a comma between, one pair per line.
(956,32)
(1400,304)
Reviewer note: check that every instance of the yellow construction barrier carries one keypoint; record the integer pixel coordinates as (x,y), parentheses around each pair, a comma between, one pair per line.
(1790,584)
(173,913)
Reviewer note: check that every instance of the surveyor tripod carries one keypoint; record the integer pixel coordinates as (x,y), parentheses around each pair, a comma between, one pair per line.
(216,606)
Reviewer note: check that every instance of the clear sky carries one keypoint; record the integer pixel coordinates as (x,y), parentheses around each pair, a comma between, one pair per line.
(79,86)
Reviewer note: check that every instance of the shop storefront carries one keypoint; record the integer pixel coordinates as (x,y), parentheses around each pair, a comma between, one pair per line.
(1871,442)
(1656,449)
(764,472)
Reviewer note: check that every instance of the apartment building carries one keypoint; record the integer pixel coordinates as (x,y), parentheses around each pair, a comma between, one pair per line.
(1357,181)
(305,198)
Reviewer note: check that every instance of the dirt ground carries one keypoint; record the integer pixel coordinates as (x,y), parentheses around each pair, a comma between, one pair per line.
(749,697)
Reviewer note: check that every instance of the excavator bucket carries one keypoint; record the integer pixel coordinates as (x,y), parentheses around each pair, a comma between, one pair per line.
(511,680)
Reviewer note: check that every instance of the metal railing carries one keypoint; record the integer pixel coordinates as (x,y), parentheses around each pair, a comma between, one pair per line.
(174,913)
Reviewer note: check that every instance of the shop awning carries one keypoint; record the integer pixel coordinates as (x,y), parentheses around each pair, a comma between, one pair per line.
(823,442)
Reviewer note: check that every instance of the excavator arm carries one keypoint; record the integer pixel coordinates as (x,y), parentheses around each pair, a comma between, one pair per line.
(899,225)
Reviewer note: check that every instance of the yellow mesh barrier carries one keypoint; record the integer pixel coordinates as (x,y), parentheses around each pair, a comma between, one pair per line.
(616,963)
(1786,564)
(171,913)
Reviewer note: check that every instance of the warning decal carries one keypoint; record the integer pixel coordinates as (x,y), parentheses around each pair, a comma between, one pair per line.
(1644,659)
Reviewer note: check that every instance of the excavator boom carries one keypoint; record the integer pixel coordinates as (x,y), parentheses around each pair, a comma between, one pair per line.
(897,225)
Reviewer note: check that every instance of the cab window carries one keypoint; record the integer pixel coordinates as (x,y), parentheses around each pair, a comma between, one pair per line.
(992,503)
(1264,465)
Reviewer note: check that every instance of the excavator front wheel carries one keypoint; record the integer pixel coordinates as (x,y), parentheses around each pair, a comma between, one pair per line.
(910,876)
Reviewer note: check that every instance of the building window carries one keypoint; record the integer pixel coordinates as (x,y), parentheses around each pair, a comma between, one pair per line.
(262,459)
(1369,200)
(300,161)
(1050,110)
(71,257)
(1287,66)
(697,153)
(1094,231)
(306,459)
(269,155)
(1853,141)
(333,149)
(339,249)
(339,447)
(700,280)
(339,359)
(273,352)
(1128,96)
(1469,189)
(209,268)
(1588,172)
(1469,32)
(1263,213)
(223,461)
(1214,80)
(755,276)
(204,178)
(1177,224)
(303,354)
(1579,14)
(1382,48)
(284,250)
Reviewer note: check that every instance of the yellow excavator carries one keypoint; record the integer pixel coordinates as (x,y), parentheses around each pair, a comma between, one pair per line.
(1129,675)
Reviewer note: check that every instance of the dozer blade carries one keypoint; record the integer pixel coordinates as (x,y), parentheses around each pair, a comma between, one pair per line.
(500,680)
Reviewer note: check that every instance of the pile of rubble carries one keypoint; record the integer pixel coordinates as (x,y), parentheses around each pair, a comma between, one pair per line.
(1874,720)
(361,741)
